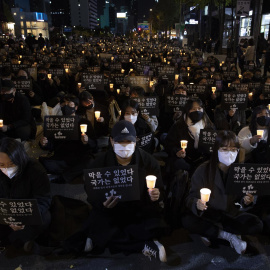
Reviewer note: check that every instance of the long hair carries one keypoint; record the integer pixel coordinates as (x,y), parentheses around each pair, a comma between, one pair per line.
(253,121)
(16,152)
(130,103)
(223,138)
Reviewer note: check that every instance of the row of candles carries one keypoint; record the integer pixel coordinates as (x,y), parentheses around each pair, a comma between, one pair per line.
(151,183)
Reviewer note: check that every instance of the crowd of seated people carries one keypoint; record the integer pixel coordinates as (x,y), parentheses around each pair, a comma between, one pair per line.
(150,102)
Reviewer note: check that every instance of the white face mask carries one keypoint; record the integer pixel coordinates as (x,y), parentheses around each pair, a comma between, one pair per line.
(227,157)
(124,151)
(131,118)
(9,172)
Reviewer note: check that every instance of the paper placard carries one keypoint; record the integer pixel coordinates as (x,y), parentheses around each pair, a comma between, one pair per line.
(61,127)
(175,103)
(240,86)
(234,100)
(23,86)
(93,81)
(148,105)
(19,212)
(249,178)
(207,140)
(121,182)
(144,140)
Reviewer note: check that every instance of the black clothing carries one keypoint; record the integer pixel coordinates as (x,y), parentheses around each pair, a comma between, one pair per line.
(32,183)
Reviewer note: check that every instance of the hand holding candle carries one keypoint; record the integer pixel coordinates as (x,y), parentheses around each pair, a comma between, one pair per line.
(214,89)
(1,123)
(184,144)
(83,129)
(205,195)
(151,181)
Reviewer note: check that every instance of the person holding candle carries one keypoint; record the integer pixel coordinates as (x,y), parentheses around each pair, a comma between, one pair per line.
(23,178)
(219,218)
(187,128)
(254,144)
(132,226)
(66,159)
(15,111)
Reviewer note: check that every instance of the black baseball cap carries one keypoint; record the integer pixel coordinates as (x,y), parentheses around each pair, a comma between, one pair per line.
(123,130)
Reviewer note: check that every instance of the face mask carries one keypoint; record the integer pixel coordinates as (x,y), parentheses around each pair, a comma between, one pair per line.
(196,116)
(227,157)
(42,76)
(7,97)
(89,107)
(131,118)
(9,172)
(66,110)
(124,151)
(263,121)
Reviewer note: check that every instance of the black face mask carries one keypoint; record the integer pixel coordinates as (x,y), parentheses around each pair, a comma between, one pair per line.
(89,107)
(7,97)
(42,76)
(196,116)
(66,110)
(22,77)
(263,121)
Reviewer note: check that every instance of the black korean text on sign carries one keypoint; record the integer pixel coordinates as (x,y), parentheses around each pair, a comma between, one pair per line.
(58,72)
(148,105)
(61,127)
(19,212)
(207,140)
(249,178)
(175,103)
(266,91)
(240,86)
(234,100)
(121,182)
(195,90)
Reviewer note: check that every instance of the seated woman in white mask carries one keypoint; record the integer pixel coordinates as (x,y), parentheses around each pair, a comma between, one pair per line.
(187,128)
(131,112)
(220,217)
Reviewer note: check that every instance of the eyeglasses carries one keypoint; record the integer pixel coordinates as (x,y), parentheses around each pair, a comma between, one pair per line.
(227,149)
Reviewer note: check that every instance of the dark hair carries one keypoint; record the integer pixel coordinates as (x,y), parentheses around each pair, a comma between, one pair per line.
(85,95)
(16,152)
(253,121)
(223,138)
(251,42)
(130,103)
(137,90)
(70,97)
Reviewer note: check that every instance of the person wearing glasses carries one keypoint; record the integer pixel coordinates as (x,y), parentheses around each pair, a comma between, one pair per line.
(219,218)
(255,145)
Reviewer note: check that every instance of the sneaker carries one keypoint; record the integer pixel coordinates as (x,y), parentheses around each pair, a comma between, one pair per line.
(88,245)
(154,249)
(239,245)
(206,241)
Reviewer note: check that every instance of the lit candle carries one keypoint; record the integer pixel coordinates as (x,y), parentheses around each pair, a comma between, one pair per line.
(188,68)
(97,114)
(130,60)
(66,70)
(205,195)
(120,112)
(268,106)
(214,89)
(250,94)
(21,56)
(165,60)
(151,181)
(83,129)
(220,64)
(131,70)
(112,58)
(184,144)
(151,83)
(49,76)
(260,132)
(168,62)
(188,74)
(240,76)
(97,55)
(82,52)
(182,83)
(118,91)
(122,71)
(111,85)
(1,123)
(229,84)
(19,62)
(79,84)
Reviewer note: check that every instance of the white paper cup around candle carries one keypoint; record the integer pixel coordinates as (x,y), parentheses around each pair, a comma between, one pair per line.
(111,85)
(151,181)
(176,77)
(20,56)
(250,94)
(184,144)
(1,123)
(188,68)
(240,76)
(49,76)
(83,129)
(112,58)
(229,84)
(97,114)
(118,91)
(131,70)
(122,71)
(214,89)
(205,194)
(120,112)
(130,60)
(79,85)
(182,83)
(66,70)
(268,106)
(19,62)
(260,132)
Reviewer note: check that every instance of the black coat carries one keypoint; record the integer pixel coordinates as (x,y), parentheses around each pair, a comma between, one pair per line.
(33,183)
(219,200)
